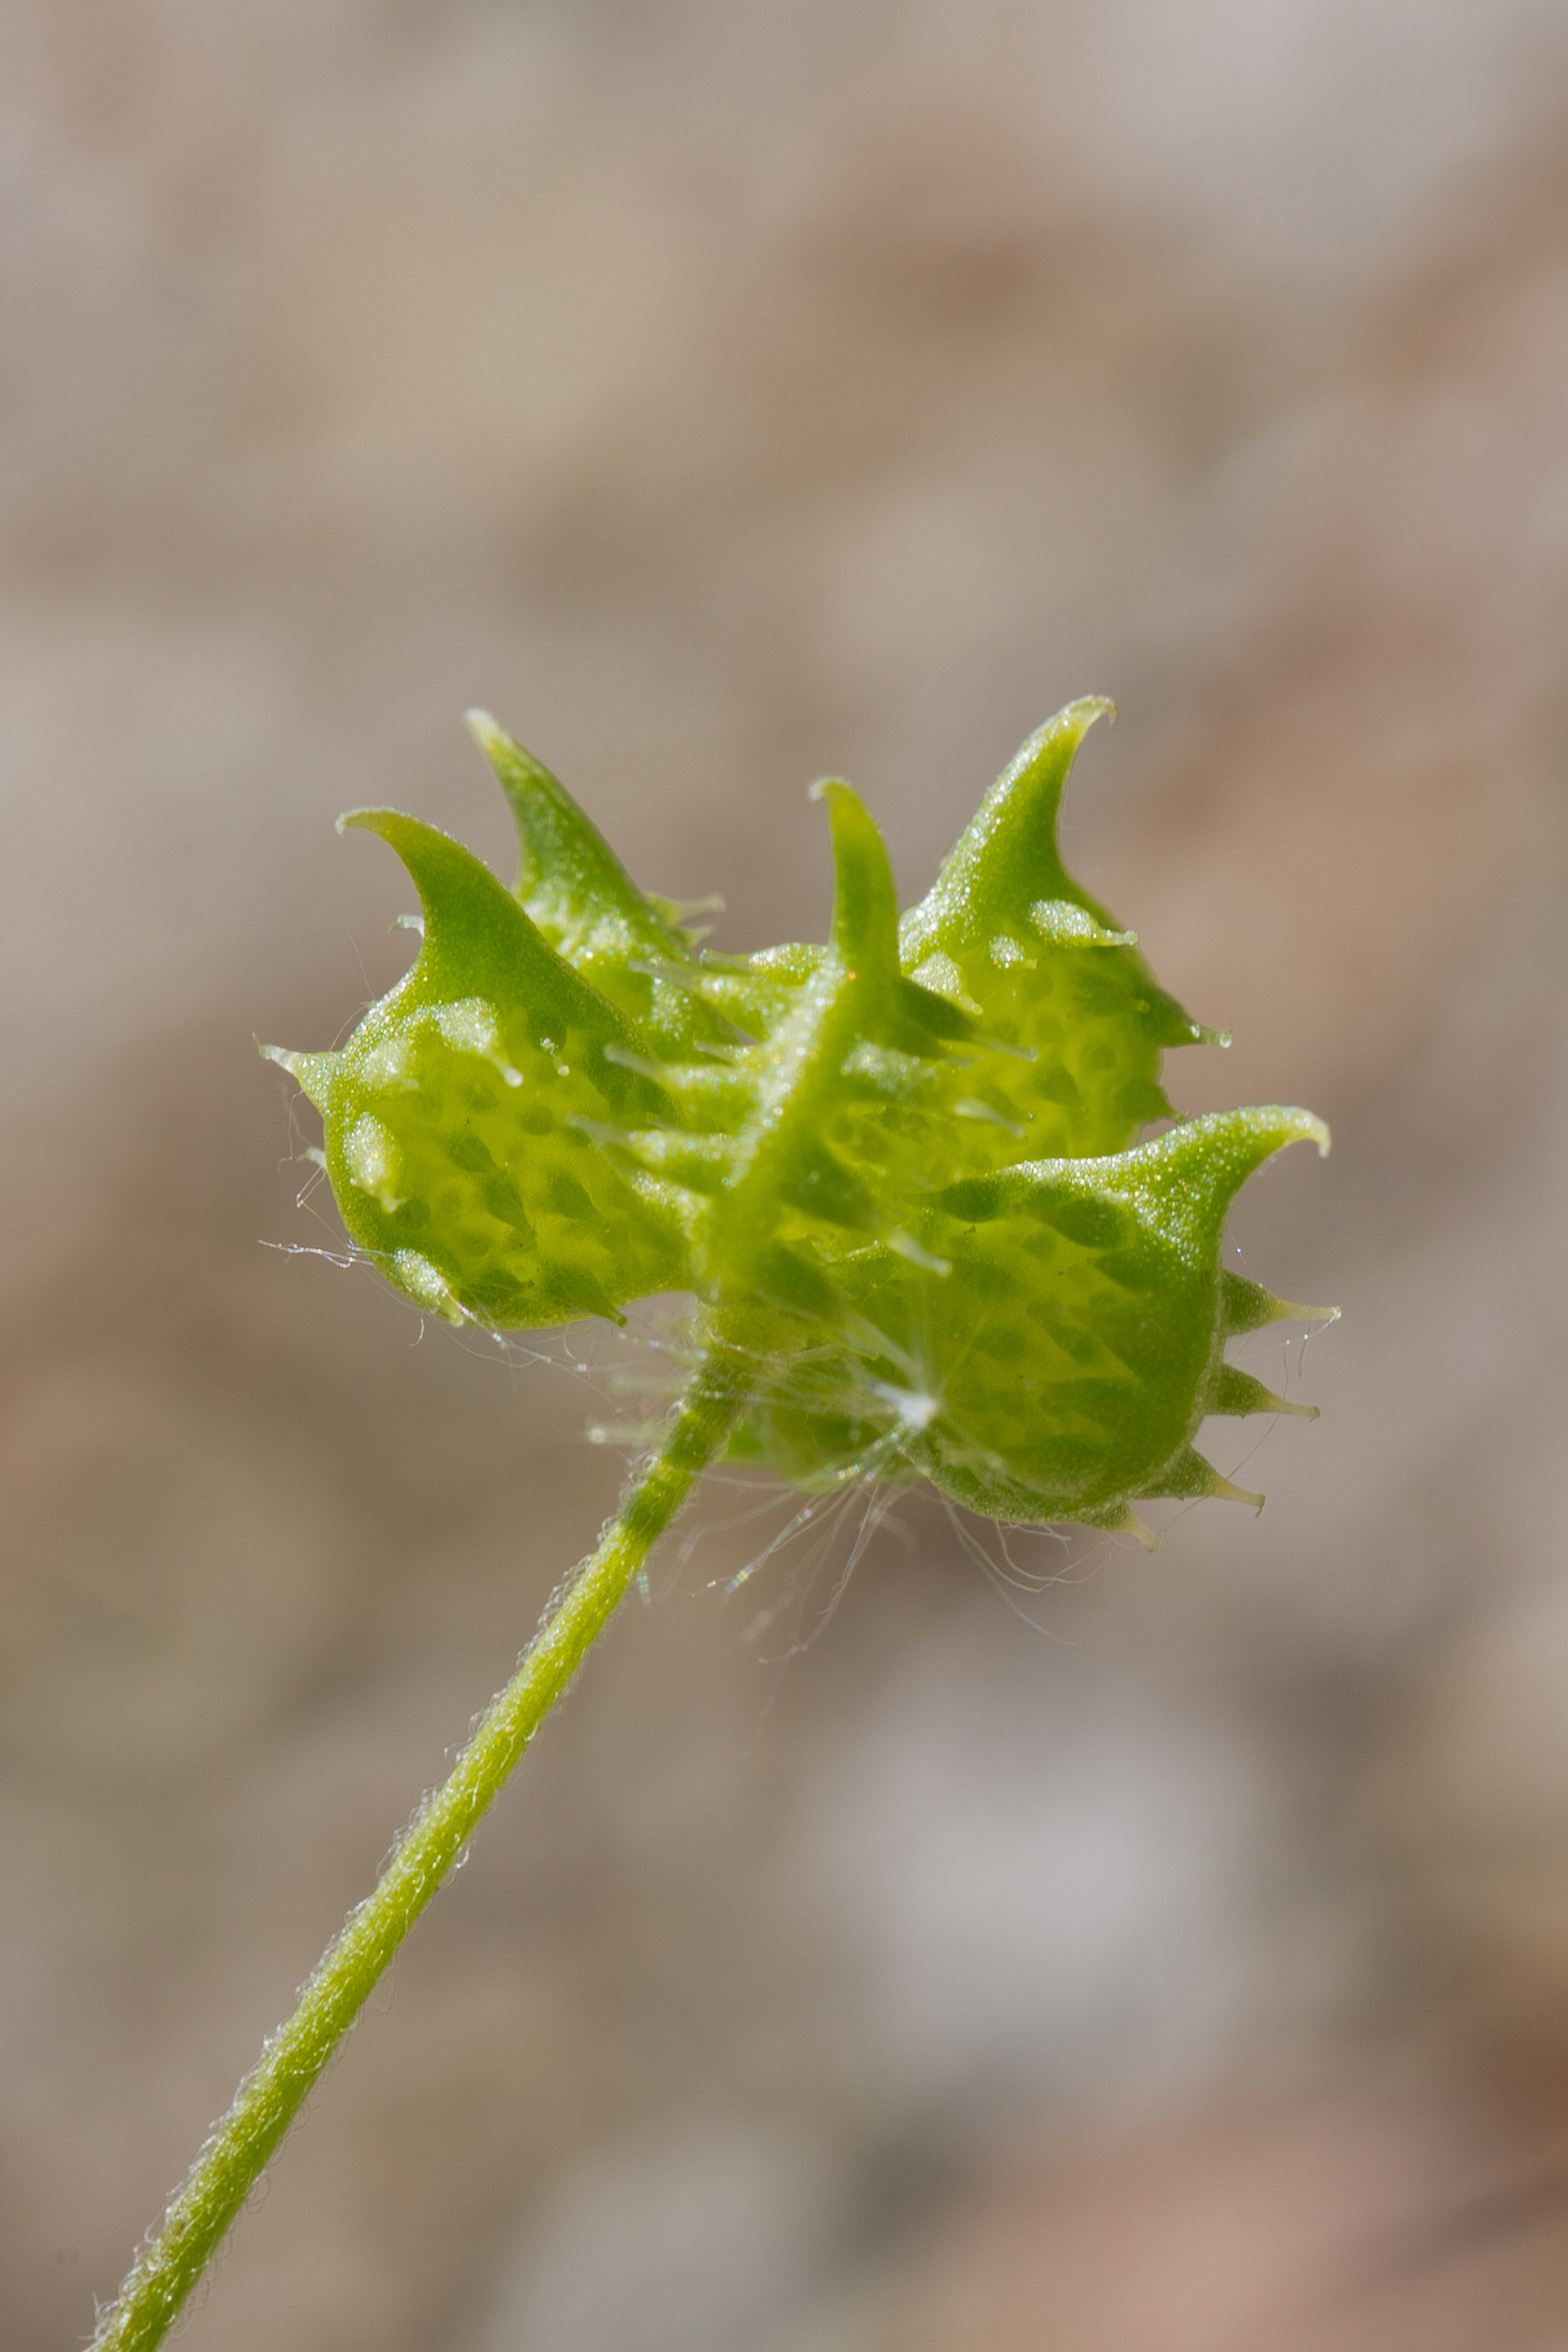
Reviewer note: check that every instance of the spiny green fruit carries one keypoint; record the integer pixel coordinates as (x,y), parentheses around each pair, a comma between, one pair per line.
(899,1172)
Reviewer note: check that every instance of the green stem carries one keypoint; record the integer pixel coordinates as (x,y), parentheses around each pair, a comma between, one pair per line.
(266,2102)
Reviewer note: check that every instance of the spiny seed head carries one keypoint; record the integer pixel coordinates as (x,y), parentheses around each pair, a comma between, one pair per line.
(901,1169)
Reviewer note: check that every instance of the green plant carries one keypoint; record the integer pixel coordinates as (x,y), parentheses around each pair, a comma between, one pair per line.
(897,1175)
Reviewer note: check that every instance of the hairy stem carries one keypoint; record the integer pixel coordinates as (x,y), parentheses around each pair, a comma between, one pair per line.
(266,2102)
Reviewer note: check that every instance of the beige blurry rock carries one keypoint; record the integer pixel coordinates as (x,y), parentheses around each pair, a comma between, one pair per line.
(169,1578)
(722,397)
(1341,2226)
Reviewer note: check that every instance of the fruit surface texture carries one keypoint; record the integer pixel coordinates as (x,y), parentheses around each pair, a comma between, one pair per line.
(904,1175)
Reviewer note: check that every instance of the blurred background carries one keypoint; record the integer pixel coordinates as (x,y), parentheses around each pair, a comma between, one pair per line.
(721,395)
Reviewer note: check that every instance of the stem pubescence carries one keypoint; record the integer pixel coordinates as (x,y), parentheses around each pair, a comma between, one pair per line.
(294,2057)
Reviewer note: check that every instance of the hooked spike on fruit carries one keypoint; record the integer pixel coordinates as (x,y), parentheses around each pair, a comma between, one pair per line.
(865,926)
(1188,1177)
(479,945)
(569,879)
(1237,1393)
(1042,967)
(1188,1479)
(1006,860)
(900,1165)
(1246,1306)
(476,936)
(311,1073)
(1128,1523)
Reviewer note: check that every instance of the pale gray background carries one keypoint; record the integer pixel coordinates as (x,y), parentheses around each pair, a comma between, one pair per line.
(724,394)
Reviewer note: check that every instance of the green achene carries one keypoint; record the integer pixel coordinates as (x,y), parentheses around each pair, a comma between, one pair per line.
(899,1172)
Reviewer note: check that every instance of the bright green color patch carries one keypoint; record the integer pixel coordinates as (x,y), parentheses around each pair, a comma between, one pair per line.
(900,1171)
(457,1116)
(1064,1363)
